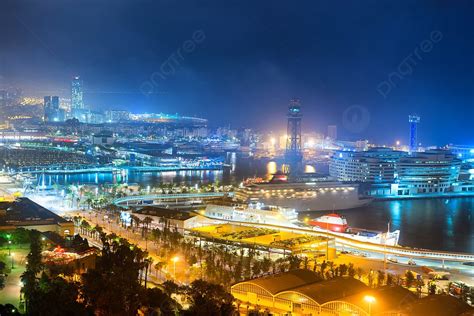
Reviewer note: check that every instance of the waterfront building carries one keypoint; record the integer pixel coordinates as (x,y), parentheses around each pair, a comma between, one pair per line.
(395,173)
(376,165)
(430,172)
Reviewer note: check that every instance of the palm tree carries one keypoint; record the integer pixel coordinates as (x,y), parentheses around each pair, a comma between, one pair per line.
(148,262)
(135,222)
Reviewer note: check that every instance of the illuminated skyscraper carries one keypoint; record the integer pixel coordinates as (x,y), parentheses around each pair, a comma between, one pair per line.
(293,156)
(413,120)
(77,101)
(55,103)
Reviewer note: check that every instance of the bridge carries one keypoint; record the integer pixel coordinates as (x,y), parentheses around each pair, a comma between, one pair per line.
(169,197)
(82,169)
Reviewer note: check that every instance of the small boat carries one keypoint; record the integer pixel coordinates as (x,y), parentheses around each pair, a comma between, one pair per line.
(337,224)
(332,222)
(393,260)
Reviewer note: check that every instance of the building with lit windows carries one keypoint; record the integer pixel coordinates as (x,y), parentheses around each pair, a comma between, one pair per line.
(386,172)
(376,165)
(302,292)
(52,111)
(77,97)
(433,171)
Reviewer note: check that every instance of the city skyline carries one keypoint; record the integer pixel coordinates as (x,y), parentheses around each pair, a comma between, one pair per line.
(236,158)
(409,62)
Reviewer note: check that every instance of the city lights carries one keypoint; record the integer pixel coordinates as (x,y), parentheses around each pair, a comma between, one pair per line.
(195,160)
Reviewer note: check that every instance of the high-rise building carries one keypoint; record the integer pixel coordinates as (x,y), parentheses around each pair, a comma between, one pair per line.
(77,100)
(293,156)
(55,103)
(413,120)
(47,102)
(52,112)
(332,132)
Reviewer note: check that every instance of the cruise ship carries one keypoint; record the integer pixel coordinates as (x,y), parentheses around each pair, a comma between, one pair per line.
(308,193)
(252,212)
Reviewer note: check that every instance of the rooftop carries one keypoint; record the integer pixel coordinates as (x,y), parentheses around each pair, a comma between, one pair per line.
(285,281)
(24,211)
(445,305)
(330,290)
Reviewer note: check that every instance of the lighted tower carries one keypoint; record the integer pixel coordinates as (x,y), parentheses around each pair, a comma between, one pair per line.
(293,156)
(413,120)
(77,101)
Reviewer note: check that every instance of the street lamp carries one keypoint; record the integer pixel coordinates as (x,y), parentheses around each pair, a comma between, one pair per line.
(174,259)
(370,300)
(9,247)
(12,255)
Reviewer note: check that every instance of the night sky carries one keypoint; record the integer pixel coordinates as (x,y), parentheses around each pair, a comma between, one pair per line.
(239,62)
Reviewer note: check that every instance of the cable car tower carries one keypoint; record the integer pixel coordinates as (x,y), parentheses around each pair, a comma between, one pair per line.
(293,156)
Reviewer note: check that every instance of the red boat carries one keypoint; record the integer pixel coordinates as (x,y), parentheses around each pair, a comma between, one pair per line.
(333,222)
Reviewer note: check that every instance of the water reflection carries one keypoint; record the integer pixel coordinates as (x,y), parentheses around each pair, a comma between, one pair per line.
(432,223)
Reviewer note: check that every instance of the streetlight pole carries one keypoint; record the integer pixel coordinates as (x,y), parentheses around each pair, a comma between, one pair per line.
(370,300)
(174,259)
(12,255)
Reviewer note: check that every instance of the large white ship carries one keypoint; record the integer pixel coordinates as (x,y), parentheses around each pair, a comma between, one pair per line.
(253,213)
(306,194)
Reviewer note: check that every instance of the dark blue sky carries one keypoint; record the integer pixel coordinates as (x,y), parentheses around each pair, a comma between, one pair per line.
(252,57)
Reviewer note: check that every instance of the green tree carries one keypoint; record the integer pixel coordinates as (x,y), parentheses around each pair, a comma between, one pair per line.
(56,297)
(208,299)
(157,302)
(409,279)
(115,279)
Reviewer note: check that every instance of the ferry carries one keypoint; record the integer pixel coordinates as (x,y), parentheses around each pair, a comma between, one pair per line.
(338,225)
(308,193)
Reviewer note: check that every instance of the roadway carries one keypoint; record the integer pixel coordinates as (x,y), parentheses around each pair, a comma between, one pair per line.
(438,259)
